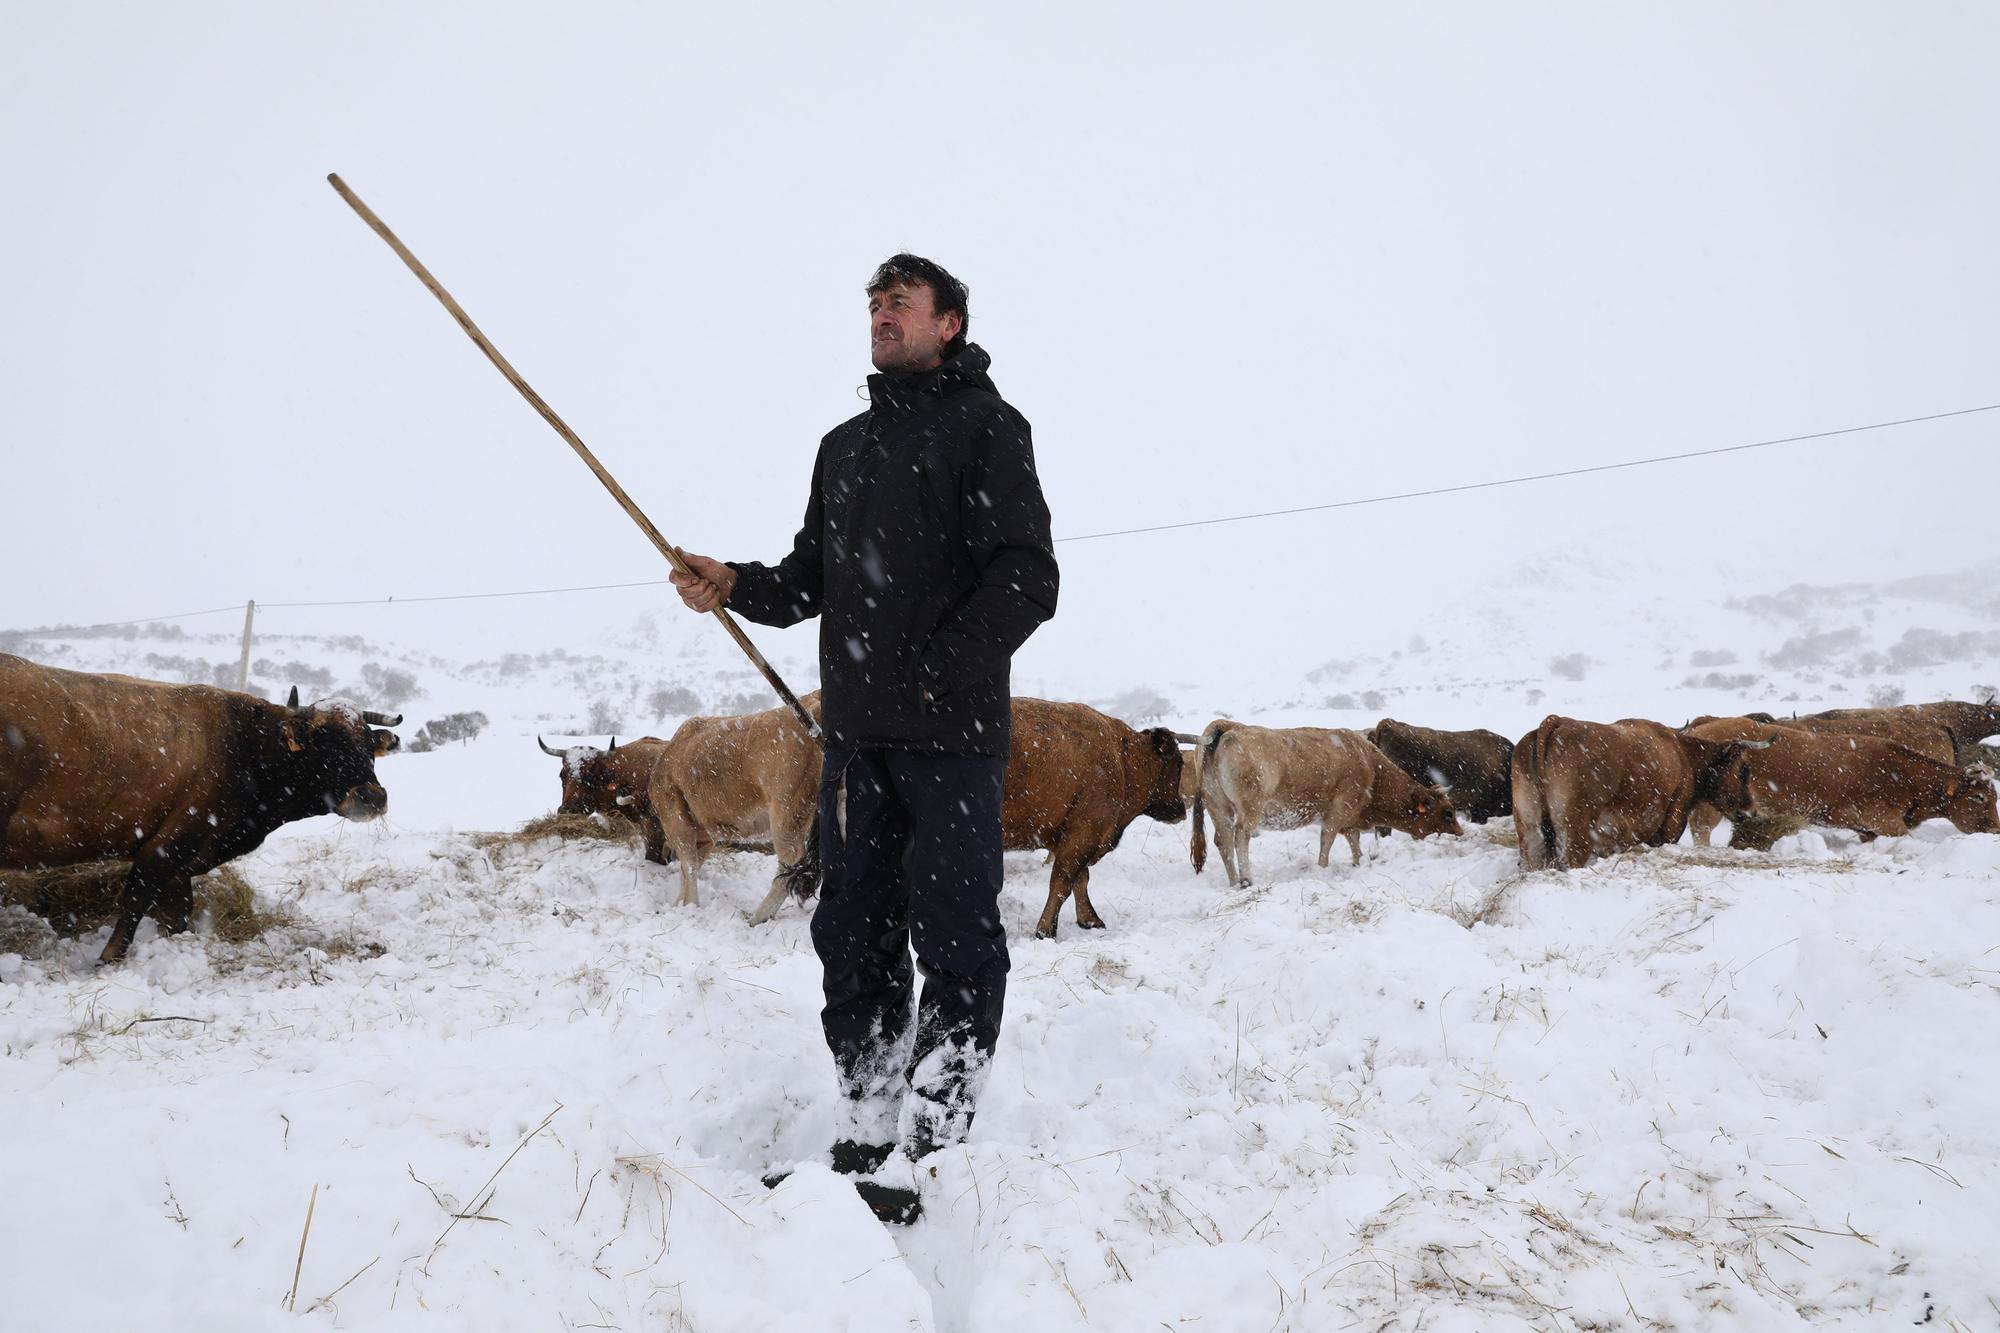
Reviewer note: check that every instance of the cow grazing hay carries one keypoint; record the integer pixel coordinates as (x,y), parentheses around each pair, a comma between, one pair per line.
(566,827)
(75,900)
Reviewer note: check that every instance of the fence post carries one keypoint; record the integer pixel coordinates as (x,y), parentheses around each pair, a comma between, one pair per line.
(243,667)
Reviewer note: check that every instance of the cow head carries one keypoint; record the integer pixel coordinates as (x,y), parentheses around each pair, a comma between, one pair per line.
(1972,805)
(590,785)
(1722,772)
(328,757)
(1159,775)
(1426,811)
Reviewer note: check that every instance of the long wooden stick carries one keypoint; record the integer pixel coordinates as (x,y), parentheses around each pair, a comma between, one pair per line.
(582,450)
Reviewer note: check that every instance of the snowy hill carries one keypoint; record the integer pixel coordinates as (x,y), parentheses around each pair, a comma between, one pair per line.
(1691,1089)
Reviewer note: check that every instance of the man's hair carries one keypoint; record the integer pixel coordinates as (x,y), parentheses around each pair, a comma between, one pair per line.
(948,294)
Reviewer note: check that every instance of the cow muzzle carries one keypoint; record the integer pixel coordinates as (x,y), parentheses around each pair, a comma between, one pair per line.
(363,803)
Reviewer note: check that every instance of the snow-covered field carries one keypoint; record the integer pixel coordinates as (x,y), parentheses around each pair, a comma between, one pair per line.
(1691,1089)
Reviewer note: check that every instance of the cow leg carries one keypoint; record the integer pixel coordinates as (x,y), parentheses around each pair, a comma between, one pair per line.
(1059,890)
(1225,843)
(781,884)
(1086,915)
(1243,833)
(1327,833)
(656,841)
(173,909)
(1702,822)
(141,890)
(1573,835)
(690,862)
(1353,844)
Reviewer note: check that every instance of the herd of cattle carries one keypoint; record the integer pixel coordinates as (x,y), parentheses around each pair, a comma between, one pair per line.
(177,779)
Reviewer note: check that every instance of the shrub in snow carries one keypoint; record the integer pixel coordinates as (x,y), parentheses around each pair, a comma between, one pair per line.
(444,730)
(676,699)
(1810,650)
(1140,705)
(386,687)
(1569,667)
(1885,696)
(604,717)
(1711,657)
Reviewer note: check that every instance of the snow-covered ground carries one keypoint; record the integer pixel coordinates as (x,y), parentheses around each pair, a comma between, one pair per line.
(1691,1089)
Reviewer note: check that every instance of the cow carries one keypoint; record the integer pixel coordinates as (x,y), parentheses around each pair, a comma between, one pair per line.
(614,783)
(1259,777)
(176,779)
(1592,788)
(1964,725)
(1875,787)
(1474,768)
(1926,737)
(726,781)
(1075,780)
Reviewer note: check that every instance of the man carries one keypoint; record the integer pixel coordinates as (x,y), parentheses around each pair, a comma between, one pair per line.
(925,551)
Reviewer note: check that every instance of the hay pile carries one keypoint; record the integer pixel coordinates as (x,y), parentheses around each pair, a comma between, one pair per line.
(36,905)
(594,827)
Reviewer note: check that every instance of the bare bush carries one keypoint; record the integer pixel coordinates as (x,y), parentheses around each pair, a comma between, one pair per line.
(1885,696)
(1711,657)
(1569,667)
(605,718)
(676,699)
(1811,650)
(444,730)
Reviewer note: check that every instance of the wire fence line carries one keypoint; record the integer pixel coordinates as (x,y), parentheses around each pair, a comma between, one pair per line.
(1427,493)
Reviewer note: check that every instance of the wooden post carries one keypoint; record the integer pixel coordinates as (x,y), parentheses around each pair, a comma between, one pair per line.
(243,666)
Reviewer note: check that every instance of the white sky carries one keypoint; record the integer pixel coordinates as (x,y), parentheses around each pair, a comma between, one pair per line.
(1224,259)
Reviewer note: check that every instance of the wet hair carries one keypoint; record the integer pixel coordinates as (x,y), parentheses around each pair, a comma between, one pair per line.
(948,294)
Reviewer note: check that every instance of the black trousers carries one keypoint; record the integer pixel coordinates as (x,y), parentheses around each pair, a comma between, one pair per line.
(911,857)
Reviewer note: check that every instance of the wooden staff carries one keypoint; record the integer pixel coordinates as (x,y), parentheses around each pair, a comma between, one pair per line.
(583,451)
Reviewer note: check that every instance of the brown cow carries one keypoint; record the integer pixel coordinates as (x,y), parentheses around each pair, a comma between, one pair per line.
(1593,788)
(1875,787)
(1075,780)
(728,780)
(615,783)
(177,779)
(1964,725)
(1890,724)
(1474,768)
(1258,777)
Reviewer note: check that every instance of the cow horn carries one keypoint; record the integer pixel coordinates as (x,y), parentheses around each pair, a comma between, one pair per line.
(614,744)
(383,719)
(293,702)
(1758,745)
(1186,739)
(560,754)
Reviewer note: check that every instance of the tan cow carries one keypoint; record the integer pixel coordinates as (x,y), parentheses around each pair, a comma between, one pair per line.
(615,783)
(1875,787)
(1075,780)
(724,780)
(1254,778)
(1584,789)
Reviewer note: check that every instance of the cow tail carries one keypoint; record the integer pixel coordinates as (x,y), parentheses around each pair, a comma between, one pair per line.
(1211,737)
(1537,742)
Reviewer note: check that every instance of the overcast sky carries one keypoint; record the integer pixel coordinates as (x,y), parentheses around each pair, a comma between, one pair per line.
(1224,258)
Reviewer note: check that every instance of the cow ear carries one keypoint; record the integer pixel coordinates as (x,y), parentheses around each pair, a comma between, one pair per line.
(290,732)
(1423,806)
(386,742)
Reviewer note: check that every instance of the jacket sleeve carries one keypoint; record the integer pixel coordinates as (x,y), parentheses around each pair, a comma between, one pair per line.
(791,590)
(1006,526)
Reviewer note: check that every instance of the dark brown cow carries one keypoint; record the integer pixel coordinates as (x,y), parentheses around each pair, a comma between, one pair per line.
(1258,777)
(1875,787)
(177,779)
(1474,768)
(613,783)
(1584,789)
(1075,780)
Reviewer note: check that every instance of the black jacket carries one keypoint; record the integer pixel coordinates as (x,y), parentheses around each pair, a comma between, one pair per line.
(926,554)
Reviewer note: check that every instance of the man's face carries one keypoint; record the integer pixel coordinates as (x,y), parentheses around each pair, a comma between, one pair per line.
(905,331)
